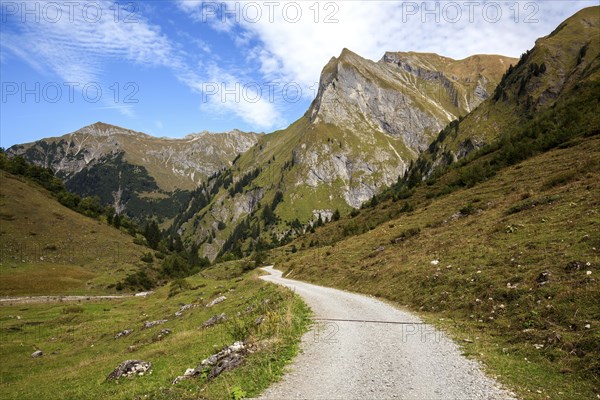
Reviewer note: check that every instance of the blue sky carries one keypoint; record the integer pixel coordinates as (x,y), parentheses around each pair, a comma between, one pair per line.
(170,68)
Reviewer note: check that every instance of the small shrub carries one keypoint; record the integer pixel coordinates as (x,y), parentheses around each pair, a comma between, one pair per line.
(248,266)
(147,258)
(238,329)
(178,286)
(336,215)
(560,179)
(406,235)
(351,228)
(468,209)
(237,393)
(407,207)
(526,195)
(139,279)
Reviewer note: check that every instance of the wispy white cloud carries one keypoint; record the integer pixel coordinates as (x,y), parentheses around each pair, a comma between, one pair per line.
(124,109)
(77,50)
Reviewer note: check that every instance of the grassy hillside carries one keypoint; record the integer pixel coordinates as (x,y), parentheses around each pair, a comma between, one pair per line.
(47,248)
(557,67)
(80,348)
(509,264)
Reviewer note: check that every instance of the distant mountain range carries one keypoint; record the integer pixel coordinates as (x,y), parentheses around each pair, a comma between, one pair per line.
(141,175)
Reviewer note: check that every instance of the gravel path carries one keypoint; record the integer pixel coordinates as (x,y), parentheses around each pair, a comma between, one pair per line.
(57,299)
(354,352)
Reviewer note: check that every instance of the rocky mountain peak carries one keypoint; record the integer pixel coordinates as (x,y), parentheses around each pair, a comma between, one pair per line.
(100,129)
(405,95)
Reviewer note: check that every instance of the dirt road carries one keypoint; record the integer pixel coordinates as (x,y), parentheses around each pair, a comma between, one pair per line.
(362,348)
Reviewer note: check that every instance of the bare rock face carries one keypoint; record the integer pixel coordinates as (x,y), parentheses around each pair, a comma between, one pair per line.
(406,95)
(388,111)
(215,319)
(150,324)
(218,300)
(123,333)
(37,353)
(183,309)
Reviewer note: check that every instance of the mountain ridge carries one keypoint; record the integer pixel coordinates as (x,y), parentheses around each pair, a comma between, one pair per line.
(104,130)
(137,173)
(559,63)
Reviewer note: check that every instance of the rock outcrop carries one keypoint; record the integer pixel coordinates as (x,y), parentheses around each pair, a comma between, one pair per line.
(129,368)
(228,358)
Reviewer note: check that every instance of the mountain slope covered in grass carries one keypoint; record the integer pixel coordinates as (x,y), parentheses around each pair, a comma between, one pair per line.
(47,248)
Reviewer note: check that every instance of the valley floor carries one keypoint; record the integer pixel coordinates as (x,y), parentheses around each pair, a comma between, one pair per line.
(83,341)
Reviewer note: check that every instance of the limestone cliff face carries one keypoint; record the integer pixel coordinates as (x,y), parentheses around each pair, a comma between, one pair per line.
(404,99)
(353,172)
